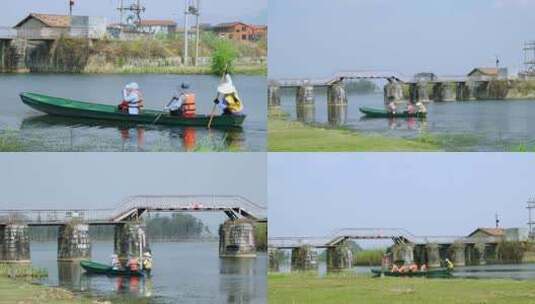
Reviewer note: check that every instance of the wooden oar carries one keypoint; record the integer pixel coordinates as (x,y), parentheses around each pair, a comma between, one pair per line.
(160,115)
(215,105)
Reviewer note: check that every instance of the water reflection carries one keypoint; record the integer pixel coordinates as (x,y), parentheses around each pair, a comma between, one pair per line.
(337,115)
(134,136)
(306,113)
(238,291)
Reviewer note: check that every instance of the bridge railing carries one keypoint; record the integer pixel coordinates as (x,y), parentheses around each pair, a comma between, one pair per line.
(188,202)
(53,216)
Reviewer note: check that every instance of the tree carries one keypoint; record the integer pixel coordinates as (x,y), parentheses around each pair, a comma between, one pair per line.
(223,57)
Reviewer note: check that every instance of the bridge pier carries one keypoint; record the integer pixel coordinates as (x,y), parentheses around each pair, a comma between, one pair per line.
(305,106)
(274,97)
(274,255)
(339,258)
(304,258)
(457,254)
(14,244)
(130,240)
(443,92)
(433,255)
(393,91)
(74,242)
(418,92)
(403,252)
(464,91)
(337,104)
(237,239)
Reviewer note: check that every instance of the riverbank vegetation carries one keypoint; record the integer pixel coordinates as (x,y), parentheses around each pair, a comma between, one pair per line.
(175,227)
(369,257)
(162,54)
(354,288)
(292,136)
(22,271)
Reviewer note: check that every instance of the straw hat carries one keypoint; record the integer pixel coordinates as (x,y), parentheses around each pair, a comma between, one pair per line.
(226,88)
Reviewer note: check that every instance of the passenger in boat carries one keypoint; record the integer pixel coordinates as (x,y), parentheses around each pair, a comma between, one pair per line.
(183,103)
(413,267)
(115,264)
(133,264)
(227,98)
(147,262)
(423,268)
(420,108)
(449,264)
(132,98)
(390,105)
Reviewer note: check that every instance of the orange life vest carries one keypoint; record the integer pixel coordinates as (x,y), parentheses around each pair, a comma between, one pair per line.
(188,105)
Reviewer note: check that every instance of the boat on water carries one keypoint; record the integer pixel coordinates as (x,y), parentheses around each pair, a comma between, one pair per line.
(80,109)
(99,268)
(432,273)
(382,113)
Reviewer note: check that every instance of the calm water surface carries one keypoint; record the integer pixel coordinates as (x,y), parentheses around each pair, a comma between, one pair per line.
(490,125)
(41,132)
(189,272)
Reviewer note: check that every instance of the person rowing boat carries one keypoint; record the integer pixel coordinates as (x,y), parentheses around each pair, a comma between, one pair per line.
(227,98)
(182,103)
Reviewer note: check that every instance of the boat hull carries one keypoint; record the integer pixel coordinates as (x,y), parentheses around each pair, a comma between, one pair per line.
(72,108)
(98,268)
(381,113)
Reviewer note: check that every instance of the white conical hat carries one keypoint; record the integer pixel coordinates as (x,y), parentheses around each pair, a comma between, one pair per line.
(226,87)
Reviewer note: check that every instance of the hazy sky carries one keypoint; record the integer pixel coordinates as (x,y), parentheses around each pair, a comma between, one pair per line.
(102,180)
(425,193)
(315,38)
(213,11)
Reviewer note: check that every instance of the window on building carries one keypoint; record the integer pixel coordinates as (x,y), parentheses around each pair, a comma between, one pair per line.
(243,28)
(243,37)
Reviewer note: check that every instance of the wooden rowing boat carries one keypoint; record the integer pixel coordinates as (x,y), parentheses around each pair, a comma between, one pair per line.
(432,273)
(382,113)
(98,268)
(80,109)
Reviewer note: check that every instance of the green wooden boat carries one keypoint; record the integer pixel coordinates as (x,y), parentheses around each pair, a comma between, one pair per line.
(432,273)
(73,108)
(98,268)
(382,113)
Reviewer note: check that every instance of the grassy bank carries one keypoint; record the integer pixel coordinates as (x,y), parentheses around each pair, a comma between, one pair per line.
(372,257)
(285,135)
(178,69)
(352,288)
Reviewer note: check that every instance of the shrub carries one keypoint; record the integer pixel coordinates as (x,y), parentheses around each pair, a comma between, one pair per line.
(223,57)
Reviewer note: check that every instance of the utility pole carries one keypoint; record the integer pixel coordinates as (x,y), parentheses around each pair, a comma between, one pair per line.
(197,37)
(530,206)
(121,12)
(185,59)
(71,4)
(192,8)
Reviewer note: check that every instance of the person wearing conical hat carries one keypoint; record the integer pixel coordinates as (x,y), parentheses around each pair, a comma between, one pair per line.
(227,98)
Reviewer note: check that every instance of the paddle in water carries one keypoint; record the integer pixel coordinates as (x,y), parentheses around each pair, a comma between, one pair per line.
(217,94)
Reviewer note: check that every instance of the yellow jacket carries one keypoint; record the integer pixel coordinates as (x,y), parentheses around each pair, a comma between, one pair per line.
(234,104)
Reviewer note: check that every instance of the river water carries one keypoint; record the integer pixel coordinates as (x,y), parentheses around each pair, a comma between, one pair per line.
(515,271)
(185,272)
(40,132)
(490,125)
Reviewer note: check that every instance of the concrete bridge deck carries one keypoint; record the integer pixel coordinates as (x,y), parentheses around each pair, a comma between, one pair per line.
(358,75)
(133,207)
(397,235)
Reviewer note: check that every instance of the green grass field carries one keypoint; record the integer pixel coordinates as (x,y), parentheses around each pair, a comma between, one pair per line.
(351,288)
(284,135)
